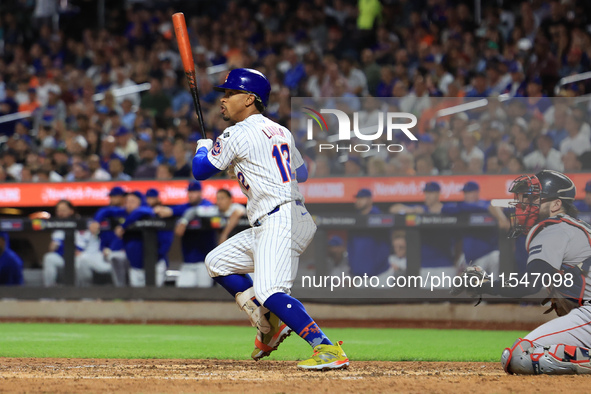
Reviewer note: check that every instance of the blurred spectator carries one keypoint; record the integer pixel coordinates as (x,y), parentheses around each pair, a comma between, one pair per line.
(572,65)
(153,198)
(155,102)
(576,140)
(371,70)
(166,155)
(11,265)
(8,106)
(128,115)
(367,252)
(571,162)
(545,157)
(10,164)
(405,163)
(356,80)
(80,172)
(480,86)
(97,173)
(148,163)
(493,165)
(517,86)
(107,153)
(557,128)
(164,172)
(515,166)
(122,81)
(537,102)
(376,166)
(55,109)
(425,166)
(116,170)
(321,167)
(386,84)
(182,168)
(338,261)
(31,103)
(585,205)
(397,259)
(293,69)
(354,166)
(85,243)
(470,150)
(126,146)
(418,99)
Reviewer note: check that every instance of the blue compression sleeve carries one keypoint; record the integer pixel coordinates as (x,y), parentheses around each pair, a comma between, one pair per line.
(202,167)
(235,283)
(293,313)
(302,173)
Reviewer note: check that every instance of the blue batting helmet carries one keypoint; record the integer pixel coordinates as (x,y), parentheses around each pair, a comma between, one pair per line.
(247,80)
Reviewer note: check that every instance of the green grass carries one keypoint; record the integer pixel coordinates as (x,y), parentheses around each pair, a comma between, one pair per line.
(229,342)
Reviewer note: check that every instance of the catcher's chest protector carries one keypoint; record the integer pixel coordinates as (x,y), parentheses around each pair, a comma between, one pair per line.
(583,226)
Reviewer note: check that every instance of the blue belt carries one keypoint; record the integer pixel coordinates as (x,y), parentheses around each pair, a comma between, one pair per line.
(276,209)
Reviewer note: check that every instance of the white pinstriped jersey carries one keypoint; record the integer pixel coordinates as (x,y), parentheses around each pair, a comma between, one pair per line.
(265,161)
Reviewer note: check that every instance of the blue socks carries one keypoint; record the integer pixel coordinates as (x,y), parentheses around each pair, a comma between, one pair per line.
(293,313)
(287,308)
(235,283)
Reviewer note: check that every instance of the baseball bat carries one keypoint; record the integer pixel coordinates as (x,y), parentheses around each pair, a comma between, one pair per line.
(182,39)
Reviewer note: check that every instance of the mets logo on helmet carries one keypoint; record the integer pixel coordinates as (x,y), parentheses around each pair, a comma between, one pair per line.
(217,148)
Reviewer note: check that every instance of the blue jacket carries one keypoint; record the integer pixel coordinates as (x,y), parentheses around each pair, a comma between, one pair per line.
(133,242)
(11,268)
(195,246)
(108,237)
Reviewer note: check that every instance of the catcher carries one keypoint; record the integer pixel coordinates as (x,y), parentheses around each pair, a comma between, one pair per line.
(557,244)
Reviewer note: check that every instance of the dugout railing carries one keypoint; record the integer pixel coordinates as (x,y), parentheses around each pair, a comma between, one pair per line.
(380,223)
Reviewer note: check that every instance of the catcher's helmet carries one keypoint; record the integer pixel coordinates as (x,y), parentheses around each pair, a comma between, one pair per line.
(531,191)
(556,185)
(247,80)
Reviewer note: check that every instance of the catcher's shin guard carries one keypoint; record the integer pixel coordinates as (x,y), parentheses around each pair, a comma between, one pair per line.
(526,359)
(256,313)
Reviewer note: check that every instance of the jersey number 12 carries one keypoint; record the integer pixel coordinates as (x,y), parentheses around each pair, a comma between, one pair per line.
(283,161)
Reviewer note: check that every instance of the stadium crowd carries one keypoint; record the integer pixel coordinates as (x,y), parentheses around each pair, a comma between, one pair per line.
(81,126)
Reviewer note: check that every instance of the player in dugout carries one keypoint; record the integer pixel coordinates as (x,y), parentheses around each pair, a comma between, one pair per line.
(11,265)
(193,272)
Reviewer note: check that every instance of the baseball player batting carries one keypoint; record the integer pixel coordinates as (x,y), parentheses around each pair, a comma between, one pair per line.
(558,244)
(268,167)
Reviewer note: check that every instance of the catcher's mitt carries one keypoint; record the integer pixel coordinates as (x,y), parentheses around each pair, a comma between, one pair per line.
(566,298)
(474,278)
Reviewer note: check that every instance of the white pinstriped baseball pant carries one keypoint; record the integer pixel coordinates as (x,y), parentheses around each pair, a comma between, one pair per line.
(271,251)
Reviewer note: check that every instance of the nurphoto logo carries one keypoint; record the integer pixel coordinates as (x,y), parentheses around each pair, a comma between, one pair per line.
(394,122)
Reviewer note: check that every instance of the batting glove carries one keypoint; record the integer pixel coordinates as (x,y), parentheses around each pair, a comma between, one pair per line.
(205,142)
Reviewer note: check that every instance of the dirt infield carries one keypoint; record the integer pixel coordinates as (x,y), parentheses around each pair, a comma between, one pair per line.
(206,376)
